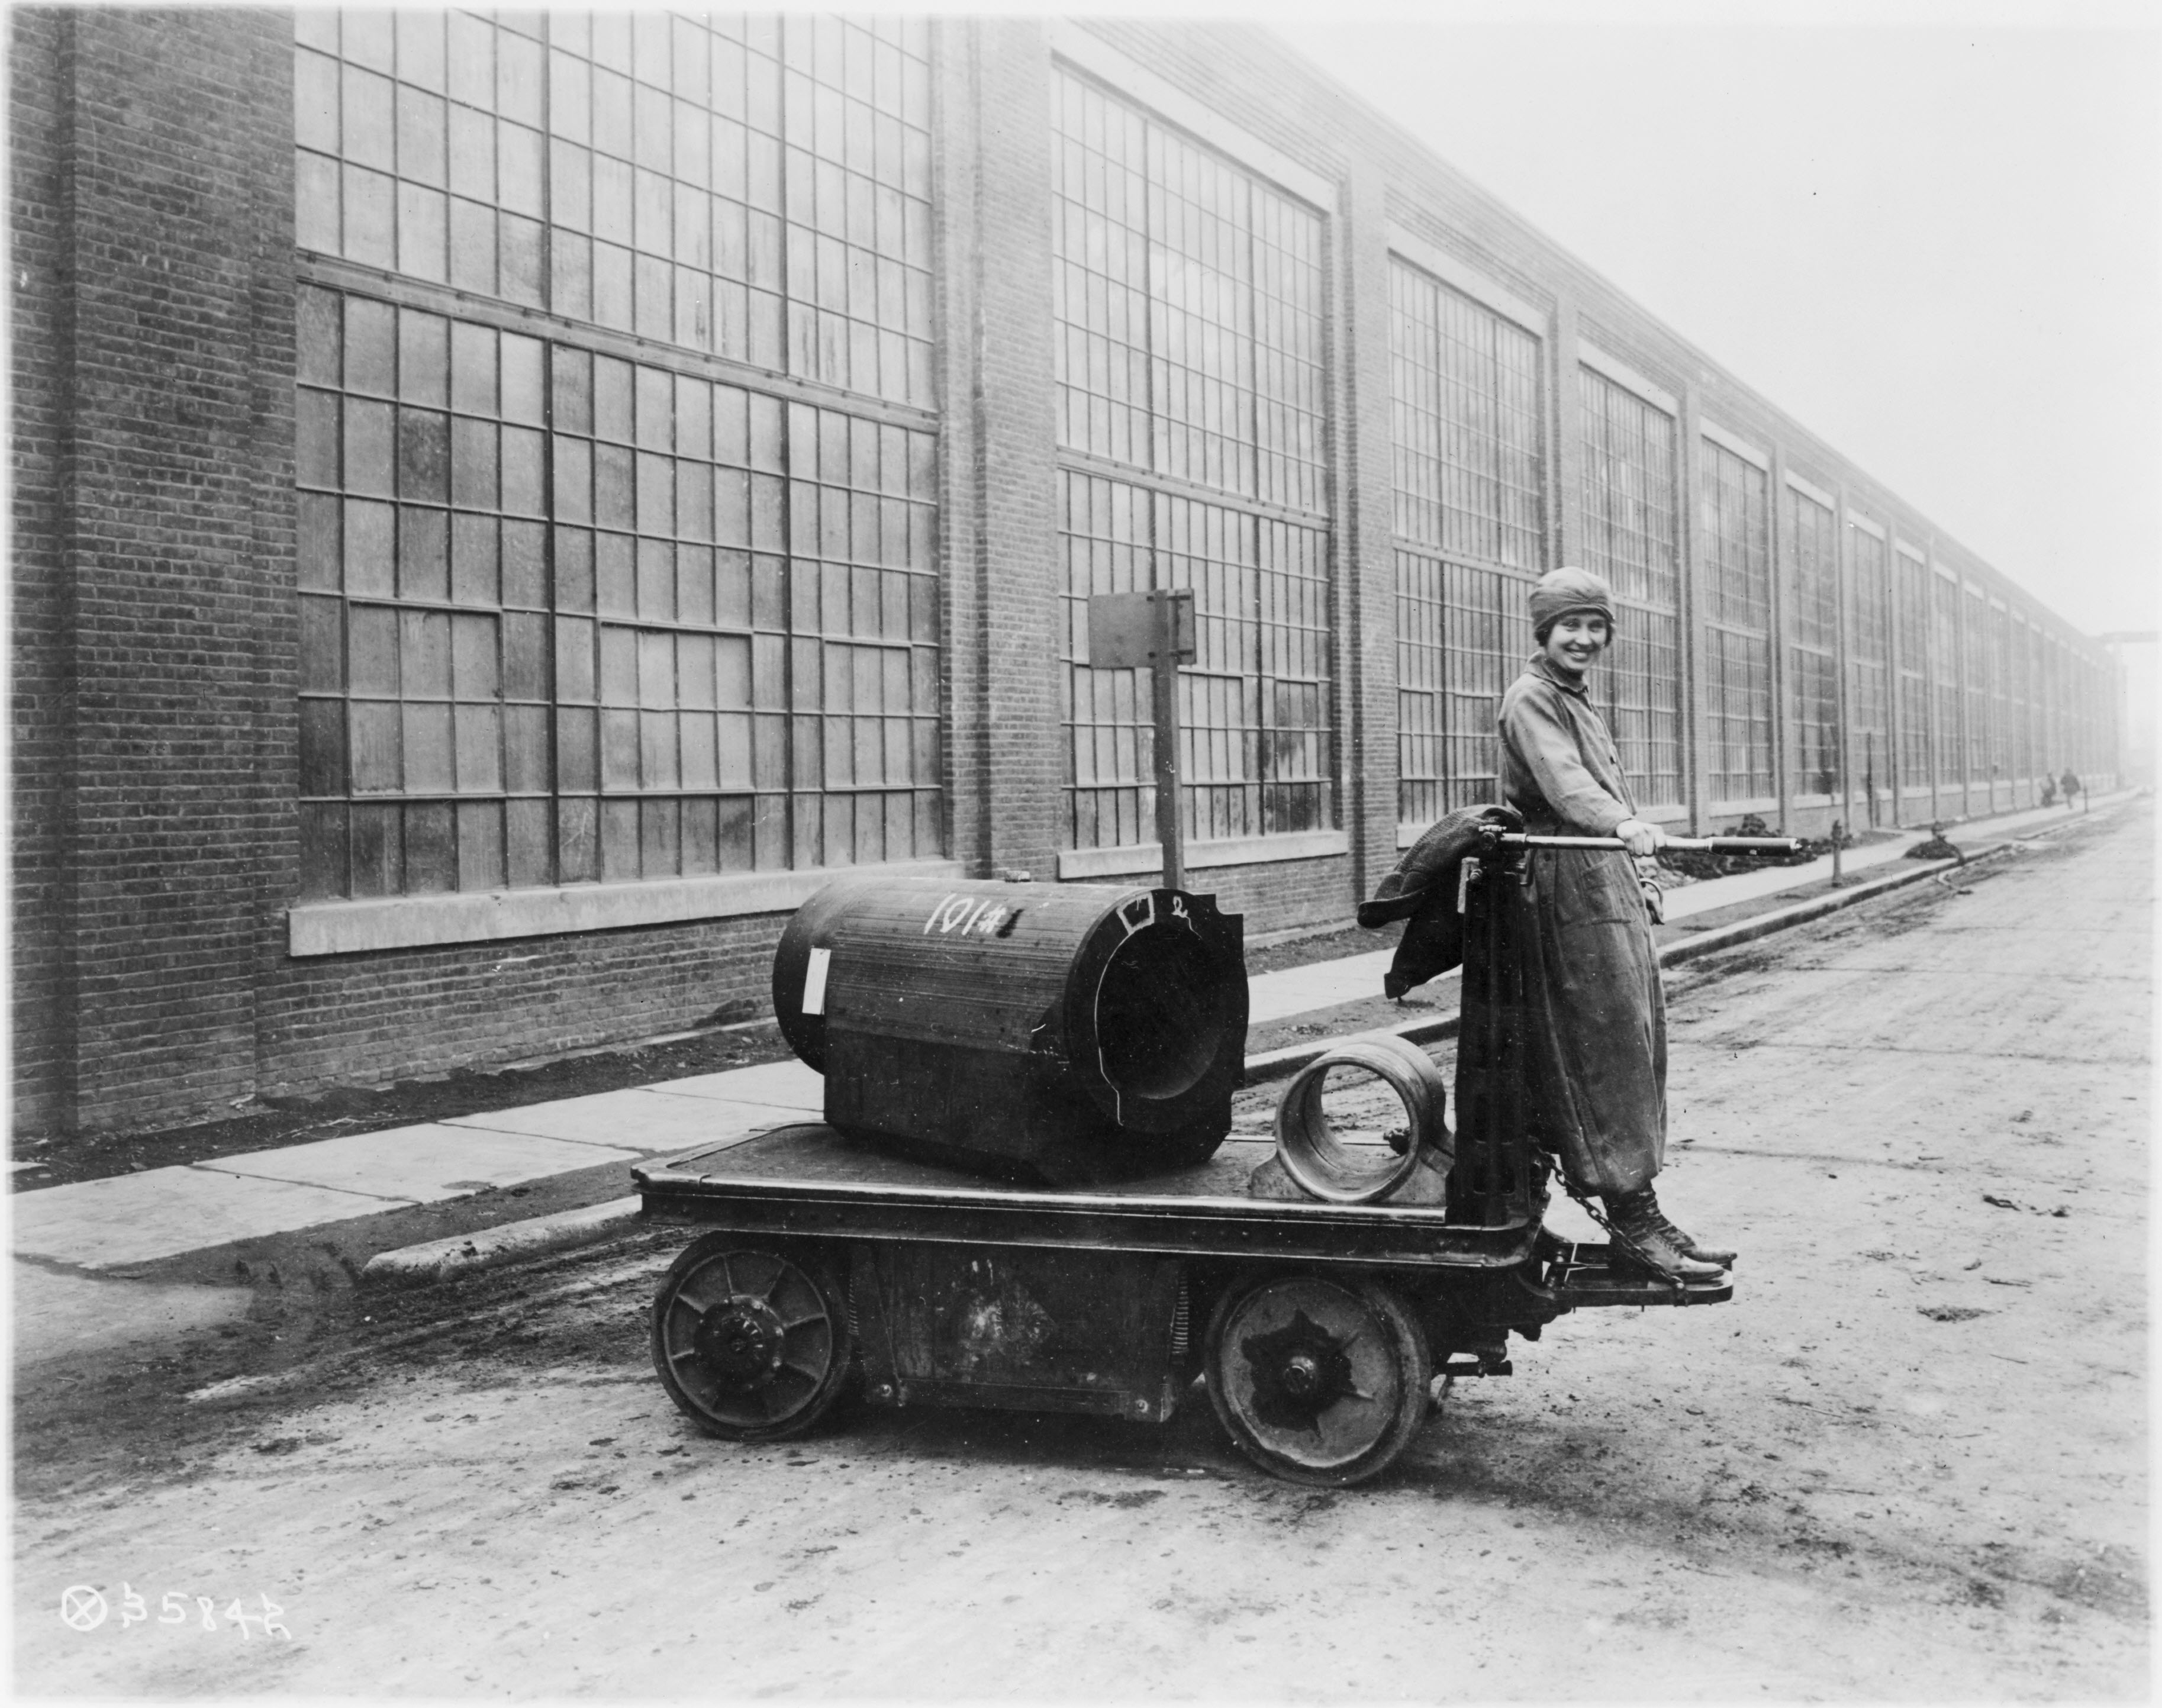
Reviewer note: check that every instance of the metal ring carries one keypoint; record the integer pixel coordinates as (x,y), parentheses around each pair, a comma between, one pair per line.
(1327,1169)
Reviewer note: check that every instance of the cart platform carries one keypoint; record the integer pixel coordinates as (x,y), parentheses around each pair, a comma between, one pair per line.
(809,1179)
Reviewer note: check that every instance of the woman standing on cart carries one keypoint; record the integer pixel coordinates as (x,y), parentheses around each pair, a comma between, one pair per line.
(1596,1025)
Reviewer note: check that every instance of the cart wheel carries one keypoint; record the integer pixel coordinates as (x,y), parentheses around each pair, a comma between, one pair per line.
(1318,1380)
(751,1341)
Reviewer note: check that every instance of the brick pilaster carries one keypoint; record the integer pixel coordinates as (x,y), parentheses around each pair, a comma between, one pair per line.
(1015,567)
(1366,508)
(162,575)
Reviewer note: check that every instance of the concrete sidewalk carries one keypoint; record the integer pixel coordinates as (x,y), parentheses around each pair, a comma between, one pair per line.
(132,1220)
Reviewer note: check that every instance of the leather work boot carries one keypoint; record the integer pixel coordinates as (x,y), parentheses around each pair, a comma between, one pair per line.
(1690,1248)
(1646,1242)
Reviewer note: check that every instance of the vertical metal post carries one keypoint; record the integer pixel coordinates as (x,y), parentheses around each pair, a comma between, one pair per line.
(1163,671)
(1152,628)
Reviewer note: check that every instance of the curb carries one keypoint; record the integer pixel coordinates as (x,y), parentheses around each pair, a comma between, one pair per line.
(440,1260)
(443,1260)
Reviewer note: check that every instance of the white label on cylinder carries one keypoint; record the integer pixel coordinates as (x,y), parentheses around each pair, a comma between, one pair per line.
(814,981)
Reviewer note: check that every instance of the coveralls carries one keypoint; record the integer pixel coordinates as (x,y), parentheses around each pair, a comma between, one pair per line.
(1595,1036)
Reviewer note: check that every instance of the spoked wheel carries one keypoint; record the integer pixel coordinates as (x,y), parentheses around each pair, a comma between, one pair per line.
(751,1340)
(1318,1380)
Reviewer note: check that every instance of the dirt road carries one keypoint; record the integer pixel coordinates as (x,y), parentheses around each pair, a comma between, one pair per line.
(1907,1461)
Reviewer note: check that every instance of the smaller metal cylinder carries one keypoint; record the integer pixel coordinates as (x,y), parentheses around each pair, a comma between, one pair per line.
(1325,1167)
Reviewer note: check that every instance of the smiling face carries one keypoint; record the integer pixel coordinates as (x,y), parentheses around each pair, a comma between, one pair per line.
(1576,641)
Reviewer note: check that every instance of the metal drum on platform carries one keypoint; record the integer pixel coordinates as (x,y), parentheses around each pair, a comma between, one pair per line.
(1075,1031)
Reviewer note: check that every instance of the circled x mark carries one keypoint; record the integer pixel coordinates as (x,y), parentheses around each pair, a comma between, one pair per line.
(82,1608)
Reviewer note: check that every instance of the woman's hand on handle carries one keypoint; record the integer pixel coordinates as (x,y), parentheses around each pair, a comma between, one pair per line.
(1642,838)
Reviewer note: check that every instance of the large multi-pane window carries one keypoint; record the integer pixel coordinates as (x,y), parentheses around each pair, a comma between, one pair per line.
(1980,655)
(2049,667)
(2067,664)
(2045,704)
(2038,701)
(2019,693)
(2000,694)
(1945,667)
(579,606)
(2076,711)
(1189,323)
(2070,714)
(2080,696)
(1738,623)
(1813,550)
(1869,664)
(1468,471)
(2077,697)
(2053,725)
(1911,579)
(1629,496)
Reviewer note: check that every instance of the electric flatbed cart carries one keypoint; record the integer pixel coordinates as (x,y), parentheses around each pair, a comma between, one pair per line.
(1022,1196)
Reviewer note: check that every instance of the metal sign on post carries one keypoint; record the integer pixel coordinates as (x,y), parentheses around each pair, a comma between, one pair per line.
(1155,628)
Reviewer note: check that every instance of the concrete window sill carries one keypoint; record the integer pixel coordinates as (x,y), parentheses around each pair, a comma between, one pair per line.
(1145,857)
(420,921)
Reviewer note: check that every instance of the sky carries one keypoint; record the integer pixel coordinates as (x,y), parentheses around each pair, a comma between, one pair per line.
(1935,240)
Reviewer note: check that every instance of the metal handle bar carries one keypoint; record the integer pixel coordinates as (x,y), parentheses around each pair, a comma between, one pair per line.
(1709,844)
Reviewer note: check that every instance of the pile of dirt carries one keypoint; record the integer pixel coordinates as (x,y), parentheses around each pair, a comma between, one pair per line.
(1698,864)
(1936,848)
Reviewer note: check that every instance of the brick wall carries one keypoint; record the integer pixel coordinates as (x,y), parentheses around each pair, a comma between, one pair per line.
(1289,895)
(368,1018)
(40,44)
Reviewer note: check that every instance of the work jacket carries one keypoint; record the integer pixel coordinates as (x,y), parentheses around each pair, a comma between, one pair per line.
(1559,766)
(1583,992)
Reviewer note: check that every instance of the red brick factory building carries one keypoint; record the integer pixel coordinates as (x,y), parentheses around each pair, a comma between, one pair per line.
(506,506)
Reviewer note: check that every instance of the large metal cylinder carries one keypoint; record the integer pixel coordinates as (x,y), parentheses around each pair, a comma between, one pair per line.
(1075,1031)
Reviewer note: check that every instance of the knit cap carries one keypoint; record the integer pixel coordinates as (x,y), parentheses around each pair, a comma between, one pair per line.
(1561,591)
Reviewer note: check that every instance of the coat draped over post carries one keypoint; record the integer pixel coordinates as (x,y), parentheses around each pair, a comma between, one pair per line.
(1592,1031)
(1422,892)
